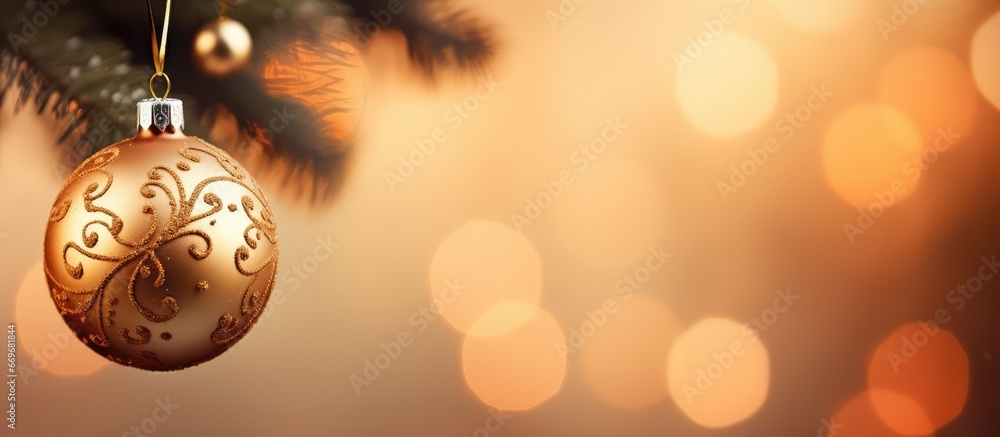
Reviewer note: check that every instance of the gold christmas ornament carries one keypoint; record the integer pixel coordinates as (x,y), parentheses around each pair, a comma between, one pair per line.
(161,250)
(222,47)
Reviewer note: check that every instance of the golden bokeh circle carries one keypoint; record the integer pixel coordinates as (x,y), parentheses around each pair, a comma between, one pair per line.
(925,372)
(50,344)
(480,265)
(731,88)
(718,373)
(933,88)
(857,418)
(985,62)
(865,155)
(519,368)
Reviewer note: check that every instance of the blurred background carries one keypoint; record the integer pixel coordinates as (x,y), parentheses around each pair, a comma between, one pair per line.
(587,218)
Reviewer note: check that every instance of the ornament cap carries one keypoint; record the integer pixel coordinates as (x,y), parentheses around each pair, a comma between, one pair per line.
(167,115)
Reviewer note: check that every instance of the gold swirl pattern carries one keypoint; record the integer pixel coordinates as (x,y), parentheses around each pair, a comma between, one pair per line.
(144,257)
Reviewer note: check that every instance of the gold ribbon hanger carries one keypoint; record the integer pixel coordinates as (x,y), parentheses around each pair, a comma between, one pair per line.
(159,49)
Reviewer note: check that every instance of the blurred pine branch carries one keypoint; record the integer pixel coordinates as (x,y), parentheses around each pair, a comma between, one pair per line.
(89,62)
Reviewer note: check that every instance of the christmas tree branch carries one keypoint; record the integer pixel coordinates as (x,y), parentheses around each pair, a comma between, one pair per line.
(76,58)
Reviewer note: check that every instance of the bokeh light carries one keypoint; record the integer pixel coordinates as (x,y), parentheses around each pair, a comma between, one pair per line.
(519,369)
(858,418)
(820,15)
(717,373)
(623,362)
(933,88)
(503,318)
(985,62)
(865,152)
(900,413)
(479,266)
(49,342)
(926,373)
(729,89)
(442,237)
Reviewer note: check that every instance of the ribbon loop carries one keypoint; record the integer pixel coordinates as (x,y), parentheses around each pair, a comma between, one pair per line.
(159,48)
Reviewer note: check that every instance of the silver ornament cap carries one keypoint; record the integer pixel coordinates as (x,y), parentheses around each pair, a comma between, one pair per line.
(161,113)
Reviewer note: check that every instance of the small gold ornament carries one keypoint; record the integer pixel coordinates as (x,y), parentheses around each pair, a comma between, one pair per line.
(222,47)
(161,250)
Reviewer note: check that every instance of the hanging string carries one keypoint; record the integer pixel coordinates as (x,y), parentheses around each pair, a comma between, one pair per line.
(223,7)
(159,49)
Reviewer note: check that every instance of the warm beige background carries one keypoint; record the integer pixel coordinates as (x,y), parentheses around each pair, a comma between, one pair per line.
(655,185)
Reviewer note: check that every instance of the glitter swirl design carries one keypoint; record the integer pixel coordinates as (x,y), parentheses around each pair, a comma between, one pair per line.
(105,249)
